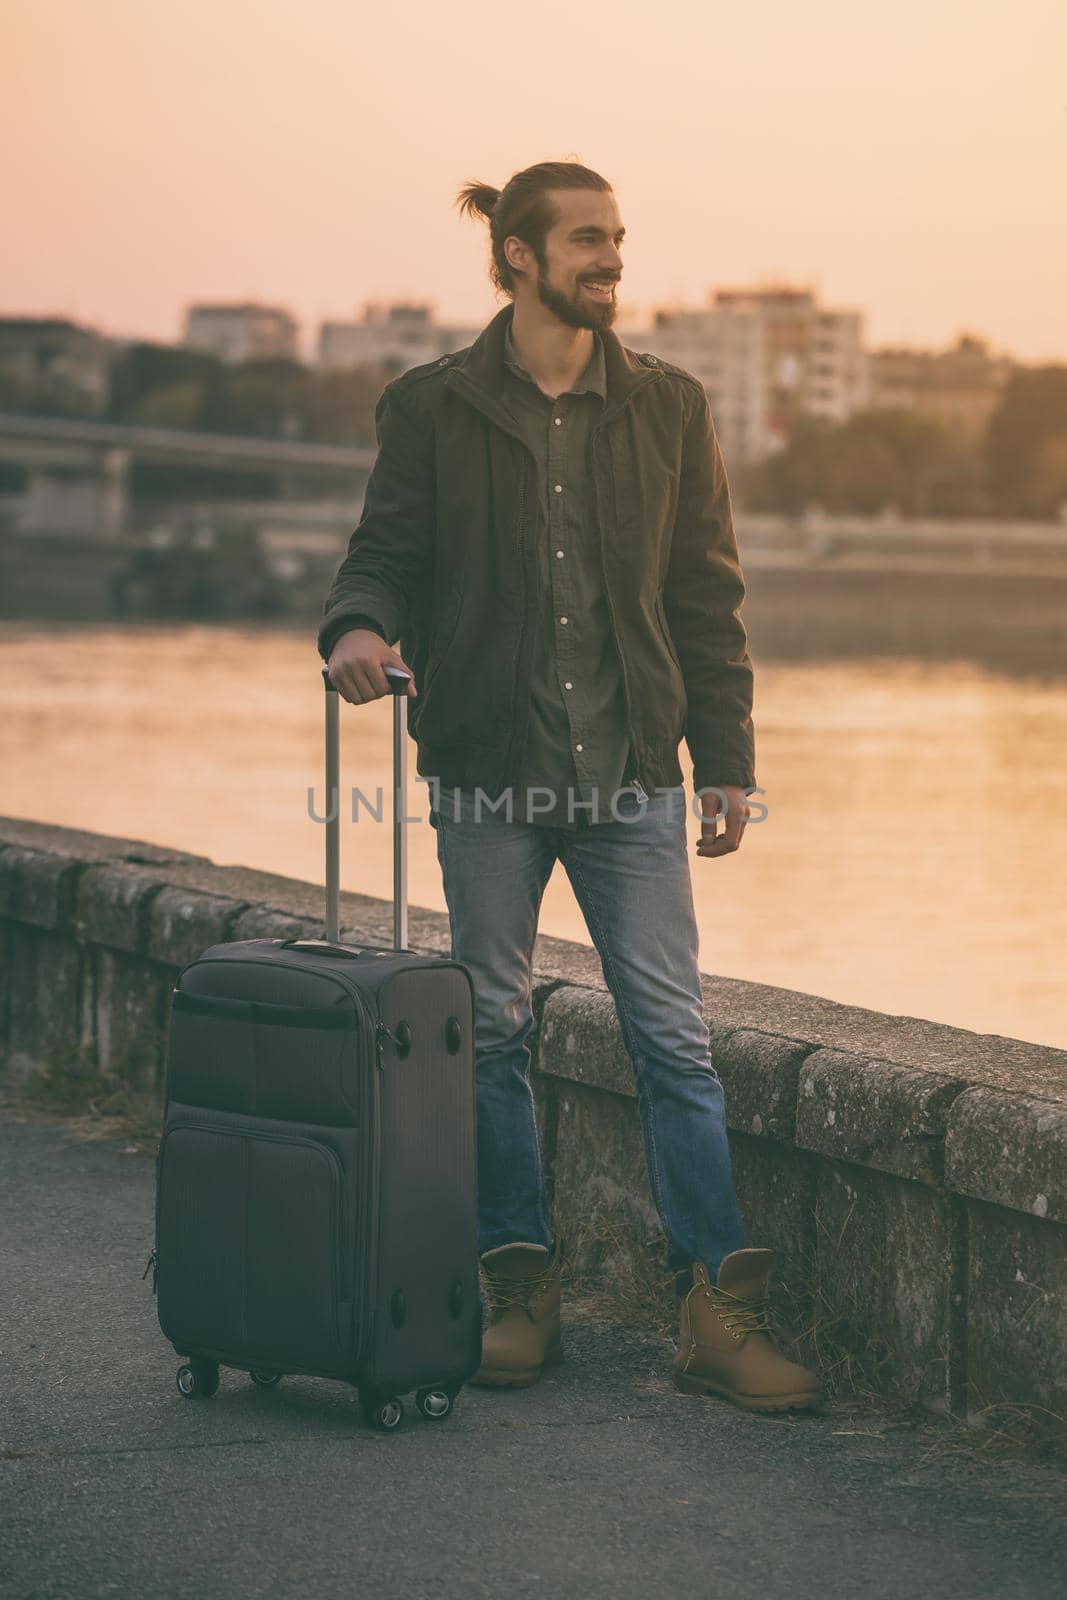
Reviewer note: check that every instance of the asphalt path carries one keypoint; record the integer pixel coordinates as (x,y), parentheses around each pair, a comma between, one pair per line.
(601,1481)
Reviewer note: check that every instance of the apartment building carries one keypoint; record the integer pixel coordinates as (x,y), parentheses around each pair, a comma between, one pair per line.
(55,354)
(959,386)
(243,332)
(724,348)
(767,356)
(392,337)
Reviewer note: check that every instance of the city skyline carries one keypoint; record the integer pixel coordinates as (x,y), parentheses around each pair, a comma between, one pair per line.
(628,321)
(311,158)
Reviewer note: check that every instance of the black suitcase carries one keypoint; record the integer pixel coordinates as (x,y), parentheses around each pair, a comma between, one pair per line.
(316,1205)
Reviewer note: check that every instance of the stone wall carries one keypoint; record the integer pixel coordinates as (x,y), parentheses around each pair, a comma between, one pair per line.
(912,1177)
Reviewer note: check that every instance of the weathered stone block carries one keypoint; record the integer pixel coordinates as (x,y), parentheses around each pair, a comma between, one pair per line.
(1017,1312)
(127,1018)
(183,922)
(111,906)
(46,983)
(86,846)
(887,1257)
(602,1203)
(877,1113)
(759,1075)
(264,922)
(38,888)
(545,1086)
(580,1039)
(6,982)
(776,1189)
(1009,1149)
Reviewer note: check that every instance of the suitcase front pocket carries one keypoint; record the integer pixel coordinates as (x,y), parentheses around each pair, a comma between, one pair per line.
(249,1233)
(295,1063)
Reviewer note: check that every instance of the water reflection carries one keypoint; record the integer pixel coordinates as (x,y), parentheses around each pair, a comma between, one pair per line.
(913,859)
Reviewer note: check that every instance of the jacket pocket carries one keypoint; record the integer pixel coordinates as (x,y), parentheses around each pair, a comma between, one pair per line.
(443,635)
(666,632)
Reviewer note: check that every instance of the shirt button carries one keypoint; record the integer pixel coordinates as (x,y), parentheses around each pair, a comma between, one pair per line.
(558,421)
(559,488)
(568,686)
(577,747)
(563,619)
(559,553)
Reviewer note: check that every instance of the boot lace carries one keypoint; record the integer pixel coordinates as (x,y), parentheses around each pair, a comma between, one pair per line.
(743,1313)
(504,1292)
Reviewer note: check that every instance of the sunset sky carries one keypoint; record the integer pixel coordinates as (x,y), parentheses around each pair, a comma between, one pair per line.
(906,159)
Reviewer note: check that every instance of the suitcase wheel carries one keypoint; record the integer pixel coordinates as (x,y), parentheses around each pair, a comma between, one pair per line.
(383,1413)
(197,1379)
(265,1380)
(434,1404)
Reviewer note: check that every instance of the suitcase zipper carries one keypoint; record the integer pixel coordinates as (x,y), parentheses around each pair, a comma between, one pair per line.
(381,1033)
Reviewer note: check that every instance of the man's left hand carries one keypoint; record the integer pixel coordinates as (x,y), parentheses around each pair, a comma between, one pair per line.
(735,815)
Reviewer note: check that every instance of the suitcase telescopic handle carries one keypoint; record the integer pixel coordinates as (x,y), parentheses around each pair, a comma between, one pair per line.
(398,681)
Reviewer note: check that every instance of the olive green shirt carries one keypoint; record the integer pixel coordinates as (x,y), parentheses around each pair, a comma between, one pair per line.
(578,744)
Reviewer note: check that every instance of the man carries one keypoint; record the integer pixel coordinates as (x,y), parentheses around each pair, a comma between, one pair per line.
(547,532)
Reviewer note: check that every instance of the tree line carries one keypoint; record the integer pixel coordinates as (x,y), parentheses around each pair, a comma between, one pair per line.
(878,459)
(920,466)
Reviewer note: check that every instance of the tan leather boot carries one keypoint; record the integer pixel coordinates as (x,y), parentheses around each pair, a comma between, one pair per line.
(724,1344)
(522,1286)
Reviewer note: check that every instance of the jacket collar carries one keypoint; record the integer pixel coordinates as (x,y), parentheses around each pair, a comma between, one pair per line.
(479,372)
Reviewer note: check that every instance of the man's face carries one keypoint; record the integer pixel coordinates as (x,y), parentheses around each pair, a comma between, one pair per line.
(581,251)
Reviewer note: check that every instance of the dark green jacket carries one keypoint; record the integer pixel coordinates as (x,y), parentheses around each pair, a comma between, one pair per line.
(443,562)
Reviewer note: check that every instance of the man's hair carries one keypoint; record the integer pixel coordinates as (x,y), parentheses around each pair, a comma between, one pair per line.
(523,208)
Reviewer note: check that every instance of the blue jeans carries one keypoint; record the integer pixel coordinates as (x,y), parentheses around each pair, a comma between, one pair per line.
(632,882)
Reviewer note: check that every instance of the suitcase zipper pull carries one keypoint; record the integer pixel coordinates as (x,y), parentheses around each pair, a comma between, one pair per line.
(150,1267)
(401,1039)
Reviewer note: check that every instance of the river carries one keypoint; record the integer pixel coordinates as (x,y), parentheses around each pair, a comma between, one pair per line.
(913,858)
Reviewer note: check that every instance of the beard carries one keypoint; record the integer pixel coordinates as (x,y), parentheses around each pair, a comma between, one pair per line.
(577,310)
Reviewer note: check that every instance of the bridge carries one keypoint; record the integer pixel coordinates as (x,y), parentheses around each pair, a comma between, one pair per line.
(79,484)
(78,472)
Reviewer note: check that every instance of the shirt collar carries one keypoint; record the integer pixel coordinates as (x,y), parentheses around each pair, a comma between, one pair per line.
(593,379)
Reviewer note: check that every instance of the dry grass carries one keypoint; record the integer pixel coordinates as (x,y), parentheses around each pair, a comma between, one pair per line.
(613,1280)
(1004,1431)
(621,1281)
(831,1331)
(91,1104)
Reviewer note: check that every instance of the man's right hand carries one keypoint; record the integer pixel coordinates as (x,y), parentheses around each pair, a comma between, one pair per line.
(357,666)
